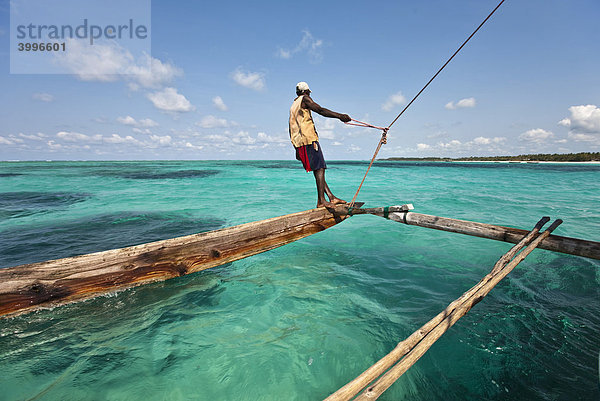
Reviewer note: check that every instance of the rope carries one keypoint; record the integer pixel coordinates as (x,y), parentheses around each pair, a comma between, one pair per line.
(447,62)
(383,139)
(363,124)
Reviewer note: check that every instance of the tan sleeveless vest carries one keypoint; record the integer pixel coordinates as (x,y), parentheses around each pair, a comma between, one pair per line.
(302,127)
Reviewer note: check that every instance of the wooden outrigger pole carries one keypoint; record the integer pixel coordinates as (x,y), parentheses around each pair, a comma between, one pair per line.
(555,243)
(407,352)
(374,381)
(47,284)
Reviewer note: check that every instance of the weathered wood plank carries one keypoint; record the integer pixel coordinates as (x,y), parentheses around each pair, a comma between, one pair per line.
(555,243)
(46,284)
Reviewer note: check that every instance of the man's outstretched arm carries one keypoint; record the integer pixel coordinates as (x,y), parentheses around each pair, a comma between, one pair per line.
(310,104)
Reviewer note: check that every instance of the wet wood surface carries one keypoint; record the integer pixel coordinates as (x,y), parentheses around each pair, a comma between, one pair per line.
(47,284)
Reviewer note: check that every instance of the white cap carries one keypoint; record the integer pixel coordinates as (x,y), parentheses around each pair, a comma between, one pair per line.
(302,86)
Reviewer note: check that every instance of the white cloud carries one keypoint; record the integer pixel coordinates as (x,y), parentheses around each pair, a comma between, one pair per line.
(213,122)
(77,137)
(116,138)
(478,144)
(44,97)
(327,123)
(251,80)
(95,63)
(36,137)
(111,62)
(393,101)
(585,119)
(5,141)
(21,140)
(326,127)
(578,137)
(105,144)
(461,104)
(218,138)
(285,54)
(326,134)
(169,100)
(262,137)
(53,145)
(127,120)
(150,72)
(353,148)
(244,141)
(497,139)
(453,144)
(161,140)
(219,103)
(537,135)
(193,147)
(145,122)
(308,45)
(243,138)
(481,141)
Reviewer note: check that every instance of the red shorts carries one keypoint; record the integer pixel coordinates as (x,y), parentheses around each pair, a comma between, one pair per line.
(311,159)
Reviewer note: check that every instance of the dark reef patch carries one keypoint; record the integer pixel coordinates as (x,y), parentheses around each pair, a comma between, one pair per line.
(37,243)
(18,204)
(294,166)
(156,175)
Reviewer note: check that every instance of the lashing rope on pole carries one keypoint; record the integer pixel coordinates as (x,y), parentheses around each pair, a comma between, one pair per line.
(385,130)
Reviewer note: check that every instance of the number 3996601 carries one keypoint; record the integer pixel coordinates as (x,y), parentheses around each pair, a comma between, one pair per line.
(41,47)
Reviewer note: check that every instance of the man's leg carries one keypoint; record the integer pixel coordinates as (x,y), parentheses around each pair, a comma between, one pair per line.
(320,179)
(332,198)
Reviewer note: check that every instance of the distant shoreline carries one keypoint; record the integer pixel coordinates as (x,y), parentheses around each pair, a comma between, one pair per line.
(524,161)
(581,157)
(592,162)
(492,161)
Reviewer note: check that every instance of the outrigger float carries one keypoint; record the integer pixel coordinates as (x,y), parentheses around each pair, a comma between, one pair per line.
(53,283)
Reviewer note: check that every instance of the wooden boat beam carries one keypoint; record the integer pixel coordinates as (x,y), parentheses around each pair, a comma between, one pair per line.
(47,284)
(556,243)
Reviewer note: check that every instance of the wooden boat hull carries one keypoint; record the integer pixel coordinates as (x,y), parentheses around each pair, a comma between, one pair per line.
(47,284)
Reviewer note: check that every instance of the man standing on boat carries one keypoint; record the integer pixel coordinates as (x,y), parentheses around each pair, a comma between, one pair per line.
(306,140)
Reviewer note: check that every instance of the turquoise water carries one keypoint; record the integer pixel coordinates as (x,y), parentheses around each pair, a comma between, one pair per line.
(298,322)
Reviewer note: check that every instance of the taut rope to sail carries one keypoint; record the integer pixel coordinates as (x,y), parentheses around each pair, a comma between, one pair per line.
(385,130)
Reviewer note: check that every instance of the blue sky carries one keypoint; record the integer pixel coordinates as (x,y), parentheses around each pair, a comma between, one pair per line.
(220,79)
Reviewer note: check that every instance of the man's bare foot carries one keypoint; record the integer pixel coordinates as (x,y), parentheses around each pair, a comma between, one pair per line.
(325,204)
(338,201)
